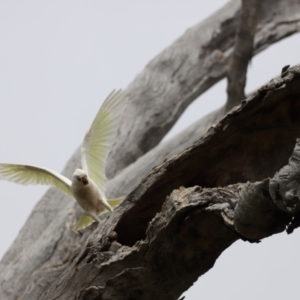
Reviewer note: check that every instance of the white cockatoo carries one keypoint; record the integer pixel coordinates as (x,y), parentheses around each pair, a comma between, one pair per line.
(88,184)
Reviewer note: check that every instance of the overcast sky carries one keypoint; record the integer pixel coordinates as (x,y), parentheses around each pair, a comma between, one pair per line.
(60,59)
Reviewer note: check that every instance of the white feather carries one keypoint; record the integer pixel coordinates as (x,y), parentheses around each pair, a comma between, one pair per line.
(87,185)
(99,139)
(27,174)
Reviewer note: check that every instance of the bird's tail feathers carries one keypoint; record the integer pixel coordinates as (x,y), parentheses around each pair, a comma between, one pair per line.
(84,221)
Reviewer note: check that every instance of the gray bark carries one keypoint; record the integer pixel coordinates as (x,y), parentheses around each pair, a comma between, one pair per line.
(130,177)
(46,246)
(133,255)
(242,53)
(185,70)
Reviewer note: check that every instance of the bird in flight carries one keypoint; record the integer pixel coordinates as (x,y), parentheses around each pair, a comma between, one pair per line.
(88,184)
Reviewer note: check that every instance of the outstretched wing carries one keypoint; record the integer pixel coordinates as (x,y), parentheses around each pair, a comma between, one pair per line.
(99,139)
(26,174)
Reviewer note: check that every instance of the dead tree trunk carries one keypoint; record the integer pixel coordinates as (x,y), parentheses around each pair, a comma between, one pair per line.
(48,260)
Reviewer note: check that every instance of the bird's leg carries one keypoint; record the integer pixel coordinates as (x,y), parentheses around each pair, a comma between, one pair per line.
(106,205)
(94,216)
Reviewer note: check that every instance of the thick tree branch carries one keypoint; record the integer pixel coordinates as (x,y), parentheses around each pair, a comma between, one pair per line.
(242,53)
(257,216)
(133,255)
(185,70)
(130,177)
(153,273)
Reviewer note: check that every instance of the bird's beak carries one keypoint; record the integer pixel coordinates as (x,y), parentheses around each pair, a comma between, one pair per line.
(85,180)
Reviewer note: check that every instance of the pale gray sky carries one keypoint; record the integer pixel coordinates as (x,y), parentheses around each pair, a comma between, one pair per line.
(58,61)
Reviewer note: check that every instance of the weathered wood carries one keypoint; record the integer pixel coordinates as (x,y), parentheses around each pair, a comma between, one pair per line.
(135,254)
(242,53)
(185,70)
(130,177)
(45,246)
(147,269)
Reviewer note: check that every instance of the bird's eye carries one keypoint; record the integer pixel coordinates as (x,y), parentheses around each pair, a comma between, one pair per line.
(78,178)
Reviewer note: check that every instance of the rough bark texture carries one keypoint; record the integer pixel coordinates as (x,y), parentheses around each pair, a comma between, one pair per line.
(132,255)
(185,70)
(242,53)
(126,180)
(46,246)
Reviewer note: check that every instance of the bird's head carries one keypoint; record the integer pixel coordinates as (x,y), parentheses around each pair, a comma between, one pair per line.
(80,177)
